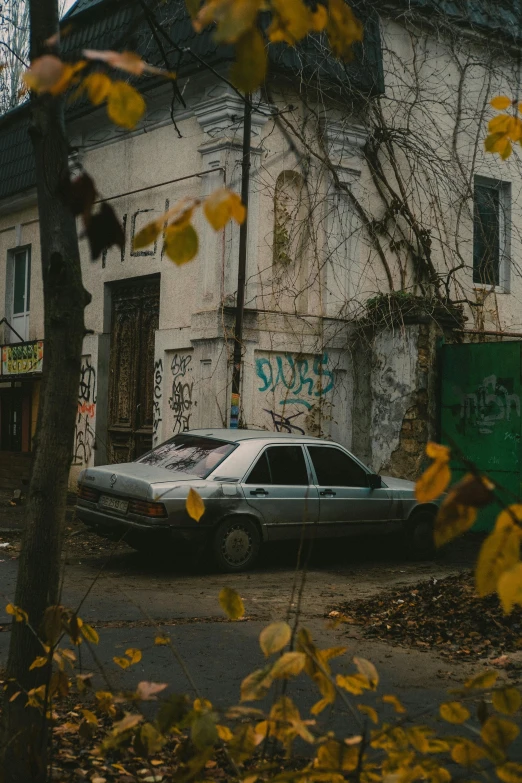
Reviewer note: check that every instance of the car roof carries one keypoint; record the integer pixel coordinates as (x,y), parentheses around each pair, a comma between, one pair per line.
(235,436)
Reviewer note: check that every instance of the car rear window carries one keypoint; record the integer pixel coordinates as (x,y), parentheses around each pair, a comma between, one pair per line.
(189,454)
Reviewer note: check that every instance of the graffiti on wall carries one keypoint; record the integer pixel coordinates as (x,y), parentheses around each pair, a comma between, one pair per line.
(490,404)
(84,435)
(158,393)
(296,390)
(181,402)
(136,220)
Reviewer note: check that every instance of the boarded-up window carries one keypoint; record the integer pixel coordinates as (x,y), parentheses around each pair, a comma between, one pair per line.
(290,218)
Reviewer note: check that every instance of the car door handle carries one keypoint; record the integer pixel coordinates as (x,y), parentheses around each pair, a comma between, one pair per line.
(258,492)
(327,493)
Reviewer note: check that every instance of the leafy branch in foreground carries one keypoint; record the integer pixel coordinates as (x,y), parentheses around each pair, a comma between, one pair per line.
(192,736)
(498,567)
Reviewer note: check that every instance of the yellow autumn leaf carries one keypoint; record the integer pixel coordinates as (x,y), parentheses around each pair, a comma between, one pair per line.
(503,123)
(89,633)
(181,243)
(231,603)
(125,105)
(249,69)
(395,702)
(498,142)
(368,670)
(162,641)
(134,655)
(343,29)
(507,700)
(147,235)
(221,206)
(224,733)
(467,753)
(501,102)
(438,452)
(454,712)
(124,663)
(433,482)
(482,681)
(19,614)
(274,637)
(452,520)
(512,515)
(290,664)
(50,74)
(499,553)
(509,588)
(38,662)
(499,732)
(353,683)
(90,717)
(369,711)
(232,17)
(256,685)
(194,505)
(97,86)
(291,21)
(510,772)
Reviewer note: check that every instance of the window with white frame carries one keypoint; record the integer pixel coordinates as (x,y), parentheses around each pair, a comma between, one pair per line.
(20,293)
(491,233)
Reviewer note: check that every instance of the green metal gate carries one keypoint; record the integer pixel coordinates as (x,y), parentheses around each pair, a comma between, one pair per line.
(481,391)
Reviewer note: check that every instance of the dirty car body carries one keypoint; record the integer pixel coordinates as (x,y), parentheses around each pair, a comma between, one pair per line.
(256,486)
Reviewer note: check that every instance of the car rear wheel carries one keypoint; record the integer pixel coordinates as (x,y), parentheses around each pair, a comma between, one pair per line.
(236,544)
(419,535)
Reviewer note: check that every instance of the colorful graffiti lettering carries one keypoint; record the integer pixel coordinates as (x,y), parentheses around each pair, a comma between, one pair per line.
(158,386)
(296,376)
(84,435)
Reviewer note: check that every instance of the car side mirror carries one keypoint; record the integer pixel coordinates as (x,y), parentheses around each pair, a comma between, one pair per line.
(374,481)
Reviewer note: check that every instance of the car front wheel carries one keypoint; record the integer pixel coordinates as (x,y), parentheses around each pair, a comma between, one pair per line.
(236,544)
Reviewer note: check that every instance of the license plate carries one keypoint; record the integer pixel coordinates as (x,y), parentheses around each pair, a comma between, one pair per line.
(114,503)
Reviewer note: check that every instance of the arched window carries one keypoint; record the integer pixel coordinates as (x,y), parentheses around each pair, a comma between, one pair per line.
(290,218)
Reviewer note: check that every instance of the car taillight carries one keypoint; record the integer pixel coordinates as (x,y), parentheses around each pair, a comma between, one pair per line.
(87,493)
(147,509)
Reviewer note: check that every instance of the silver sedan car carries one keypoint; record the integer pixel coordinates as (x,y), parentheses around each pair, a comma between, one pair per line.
(256,486)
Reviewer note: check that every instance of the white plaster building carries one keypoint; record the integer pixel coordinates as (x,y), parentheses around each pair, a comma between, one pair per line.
(322,237)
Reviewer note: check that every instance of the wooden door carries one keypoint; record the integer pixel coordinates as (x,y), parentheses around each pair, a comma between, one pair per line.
(135,318)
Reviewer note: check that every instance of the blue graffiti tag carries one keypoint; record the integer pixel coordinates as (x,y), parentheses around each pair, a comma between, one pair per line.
(295,376)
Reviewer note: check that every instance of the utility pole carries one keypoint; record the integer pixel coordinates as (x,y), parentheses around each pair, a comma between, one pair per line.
(235,402)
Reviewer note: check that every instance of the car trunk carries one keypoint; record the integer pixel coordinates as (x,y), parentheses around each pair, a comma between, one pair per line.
(131,479)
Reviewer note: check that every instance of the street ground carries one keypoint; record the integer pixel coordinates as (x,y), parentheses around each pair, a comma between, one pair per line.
(129,598)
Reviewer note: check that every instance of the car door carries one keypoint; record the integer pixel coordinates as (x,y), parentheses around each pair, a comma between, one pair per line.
(279,487)
(344,492)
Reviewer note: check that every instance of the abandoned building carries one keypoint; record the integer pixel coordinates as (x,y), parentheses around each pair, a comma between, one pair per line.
(383,286)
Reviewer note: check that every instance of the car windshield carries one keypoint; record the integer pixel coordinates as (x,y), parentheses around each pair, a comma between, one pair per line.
(189,454)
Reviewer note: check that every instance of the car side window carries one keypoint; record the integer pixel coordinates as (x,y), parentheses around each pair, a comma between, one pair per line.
(288,466)
(260,473)
(334,468)
(283,465)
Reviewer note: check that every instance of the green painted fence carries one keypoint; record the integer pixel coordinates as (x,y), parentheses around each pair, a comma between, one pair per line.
(481,391)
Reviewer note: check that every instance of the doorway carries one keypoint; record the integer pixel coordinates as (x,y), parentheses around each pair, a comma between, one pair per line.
(134,321)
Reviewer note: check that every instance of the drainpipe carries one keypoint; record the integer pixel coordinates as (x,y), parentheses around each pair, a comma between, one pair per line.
(235,402)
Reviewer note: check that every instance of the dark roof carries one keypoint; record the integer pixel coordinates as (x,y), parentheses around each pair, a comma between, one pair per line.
(503,18)
(119,24)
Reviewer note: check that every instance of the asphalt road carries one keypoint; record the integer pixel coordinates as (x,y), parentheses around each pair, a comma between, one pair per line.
(129,595)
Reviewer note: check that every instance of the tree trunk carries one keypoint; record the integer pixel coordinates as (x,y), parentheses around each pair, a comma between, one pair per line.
(25,736)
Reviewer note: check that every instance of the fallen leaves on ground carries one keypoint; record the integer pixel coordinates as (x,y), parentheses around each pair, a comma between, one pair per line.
(444,615)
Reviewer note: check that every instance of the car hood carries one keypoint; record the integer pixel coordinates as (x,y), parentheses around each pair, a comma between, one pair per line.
(136,479)
(396,483)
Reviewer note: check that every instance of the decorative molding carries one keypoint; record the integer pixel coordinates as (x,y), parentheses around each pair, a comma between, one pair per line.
(221,115)
(344,144)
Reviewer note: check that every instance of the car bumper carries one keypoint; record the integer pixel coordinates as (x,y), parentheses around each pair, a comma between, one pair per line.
(115,526)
